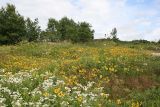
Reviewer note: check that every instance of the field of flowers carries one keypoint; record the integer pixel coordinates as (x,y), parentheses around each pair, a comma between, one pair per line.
(98,74)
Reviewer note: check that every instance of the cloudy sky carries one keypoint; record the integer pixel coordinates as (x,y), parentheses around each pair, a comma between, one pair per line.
(134,19)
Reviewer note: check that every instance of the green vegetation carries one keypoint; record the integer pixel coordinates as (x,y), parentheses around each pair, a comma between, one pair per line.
(32,30)
(63,66)
(114,34)
(12,25)
(99,73)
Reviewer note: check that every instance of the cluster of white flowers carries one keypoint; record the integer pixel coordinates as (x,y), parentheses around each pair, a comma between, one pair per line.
(16,78)
(43,94)
(2,100)
(47,84)
(2,70)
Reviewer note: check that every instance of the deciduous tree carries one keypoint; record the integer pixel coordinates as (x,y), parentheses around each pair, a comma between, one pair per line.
(32,30)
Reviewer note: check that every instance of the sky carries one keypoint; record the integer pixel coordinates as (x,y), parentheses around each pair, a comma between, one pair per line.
(134,19)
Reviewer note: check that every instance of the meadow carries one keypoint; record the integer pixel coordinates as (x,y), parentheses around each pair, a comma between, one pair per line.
(94,74)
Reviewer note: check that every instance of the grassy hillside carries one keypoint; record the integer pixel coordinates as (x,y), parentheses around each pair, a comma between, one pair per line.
(95,74)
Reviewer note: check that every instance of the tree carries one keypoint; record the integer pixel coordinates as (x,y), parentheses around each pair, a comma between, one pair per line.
(52,30)
(53,25)
(32,30)
(12,25)
(114,34)
(67,28)
(84,33)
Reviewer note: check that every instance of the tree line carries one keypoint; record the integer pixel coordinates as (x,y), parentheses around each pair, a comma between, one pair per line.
(14,28)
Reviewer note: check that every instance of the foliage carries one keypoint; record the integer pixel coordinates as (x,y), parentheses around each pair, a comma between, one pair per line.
(52,32)
(67,29)
(84,33)
(114,34)
(32,30)
(140,41)
(12,25)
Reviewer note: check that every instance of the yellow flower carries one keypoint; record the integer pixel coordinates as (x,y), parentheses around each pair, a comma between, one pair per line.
(104,95)
(136,104)
(46,94)
(57,90)
(60,94)
(8,73)
(82,71)
(118,101)
(80,98)
(101,76)
(125,69)
(111,69)
(106,68)
(99,105)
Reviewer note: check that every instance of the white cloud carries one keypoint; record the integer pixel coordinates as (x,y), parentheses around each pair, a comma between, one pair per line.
(132,22)
(154,35)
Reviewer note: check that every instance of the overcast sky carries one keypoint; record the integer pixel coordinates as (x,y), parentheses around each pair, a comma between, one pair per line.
(134,19)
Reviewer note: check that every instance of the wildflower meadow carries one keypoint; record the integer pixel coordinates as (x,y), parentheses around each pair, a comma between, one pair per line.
(96,74)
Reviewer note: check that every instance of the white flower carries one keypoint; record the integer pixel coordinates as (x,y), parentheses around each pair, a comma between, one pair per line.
(74,88)
(84,95)
(85,88)
(68,89)
(2,100)
(90,84)
(18,104)
(31,103)
(60,82)
(64,103)
(2,70)
(5,89)
(45,105)
(77,92)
